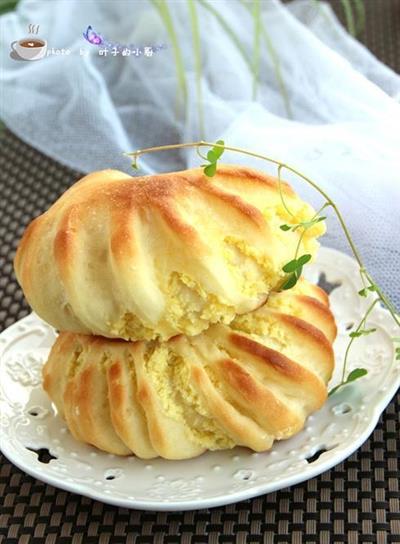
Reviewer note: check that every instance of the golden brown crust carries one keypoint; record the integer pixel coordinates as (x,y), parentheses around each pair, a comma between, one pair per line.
(255,177)
(257,401)
(248,383)
(155,256)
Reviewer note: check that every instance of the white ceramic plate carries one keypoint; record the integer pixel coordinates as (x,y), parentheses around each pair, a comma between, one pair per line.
(29,421)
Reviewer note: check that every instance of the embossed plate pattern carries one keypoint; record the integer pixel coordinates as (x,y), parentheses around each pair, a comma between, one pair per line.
(29,422)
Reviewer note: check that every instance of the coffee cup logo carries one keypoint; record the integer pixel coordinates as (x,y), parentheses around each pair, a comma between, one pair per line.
(30,48)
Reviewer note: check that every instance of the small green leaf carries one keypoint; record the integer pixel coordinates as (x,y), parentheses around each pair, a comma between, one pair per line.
(397,351)
(332,391)
(285,227)
(356,374)
(304,259)
(364,292)
(135,166)
(211,156)
(210,169)
(290,282)
(367,331)
(218,150)
(297,264)
(291,266)
(311,223)
(362,332)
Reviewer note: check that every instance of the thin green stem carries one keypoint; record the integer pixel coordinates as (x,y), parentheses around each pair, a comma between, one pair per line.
(348,13)
(307,227)
(256,45)
(299,243)
(194,21)
(165,15)
(321,9)
(276,65)
(383,298)
(278,72)
(280,164)
(201,155)
(228,30)
(360,325)
(360,16)
(280,191)
(357,22)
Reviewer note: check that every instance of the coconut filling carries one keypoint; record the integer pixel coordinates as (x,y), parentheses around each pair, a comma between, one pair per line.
(170,375)
(190,309)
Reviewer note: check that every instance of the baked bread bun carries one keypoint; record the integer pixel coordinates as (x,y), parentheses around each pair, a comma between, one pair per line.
(155,256)
(248,384)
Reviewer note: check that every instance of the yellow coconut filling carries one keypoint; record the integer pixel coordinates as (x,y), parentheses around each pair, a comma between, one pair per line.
(76,362)
(129,327)
(190,309)
(245,263)
(288,305)
(171,378)
(264,329)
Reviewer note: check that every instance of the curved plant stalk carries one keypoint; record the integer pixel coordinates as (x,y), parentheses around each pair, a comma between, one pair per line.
(348,13)
(368,281)
(256,45)
(194,21)
(253,67)
(277,68)
(317,4)
(311,222)
(357,22)
(165,15)
(228,30)
(360,16)
(357,333)
(276,65)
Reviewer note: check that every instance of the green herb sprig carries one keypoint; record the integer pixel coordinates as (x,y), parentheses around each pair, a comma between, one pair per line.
(165,15)
(360,331)
(304,224)
(213,157)
(295,266)
(354,375)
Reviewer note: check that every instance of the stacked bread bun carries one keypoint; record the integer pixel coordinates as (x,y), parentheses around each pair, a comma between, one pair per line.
(175,338)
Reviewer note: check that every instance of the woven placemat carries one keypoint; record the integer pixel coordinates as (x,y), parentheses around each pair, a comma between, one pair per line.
(356,502)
